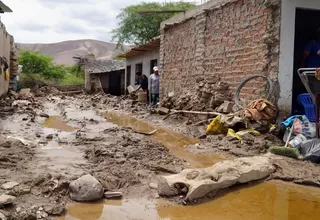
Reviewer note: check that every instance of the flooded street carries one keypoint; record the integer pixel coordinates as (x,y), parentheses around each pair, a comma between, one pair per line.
(128,155)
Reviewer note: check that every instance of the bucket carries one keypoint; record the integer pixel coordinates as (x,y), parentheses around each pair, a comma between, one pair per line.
(142,96)
(297,141)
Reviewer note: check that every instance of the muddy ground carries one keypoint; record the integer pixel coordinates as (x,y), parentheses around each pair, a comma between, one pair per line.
(45,154)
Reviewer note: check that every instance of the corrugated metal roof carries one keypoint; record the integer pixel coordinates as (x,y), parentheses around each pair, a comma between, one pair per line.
(4,7)
(152,44)
(104,66)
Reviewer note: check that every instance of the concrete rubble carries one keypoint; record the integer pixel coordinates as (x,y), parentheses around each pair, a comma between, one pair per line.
(197,183)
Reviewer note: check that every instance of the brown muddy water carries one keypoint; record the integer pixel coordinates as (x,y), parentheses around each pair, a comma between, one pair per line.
(57,123)
(174,141)
(272,200)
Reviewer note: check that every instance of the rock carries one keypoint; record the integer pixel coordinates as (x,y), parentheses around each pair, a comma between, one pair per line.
(41,215)
(9,185)
(200,182)
(2,217)
(55,209)
(163,111)
(44,115)
(110,195)
(6,200)
(226,107)
(170,94)
(86,188)
(25,92)
(153,185)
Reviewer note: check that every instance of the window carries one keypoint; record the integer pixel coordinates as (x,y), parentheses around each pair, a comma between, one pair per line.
(139,67)
(153,63)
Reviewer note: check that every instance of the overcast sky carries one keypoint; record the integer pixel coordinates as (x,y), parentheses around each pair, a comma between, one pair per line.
(48,21)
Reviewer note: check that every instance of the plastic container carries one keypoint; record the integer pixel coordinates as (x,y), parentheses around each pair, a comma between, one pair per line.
(309,108)
(297,141)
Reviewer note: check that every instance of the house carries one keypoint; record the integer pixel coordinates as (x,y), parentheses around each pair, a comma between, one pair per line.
(141,59)
(108,75)
(6,42)
(237,38)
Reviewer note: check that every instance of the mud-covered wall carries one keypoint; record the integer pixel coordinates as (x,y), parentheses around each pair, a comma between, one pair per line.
(229,38)
(4,51)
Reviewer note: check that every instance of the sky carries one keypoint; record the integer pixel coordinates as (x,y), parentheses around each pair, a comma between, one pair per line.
(49,21)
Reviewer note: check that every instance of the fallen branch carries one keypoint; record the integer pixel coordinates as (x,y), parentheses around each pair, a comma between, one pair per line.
(192,112)
(203,121)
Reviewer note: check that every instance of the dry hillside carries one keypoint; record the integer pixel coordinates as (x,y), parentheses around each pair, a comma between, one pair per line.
(63,52)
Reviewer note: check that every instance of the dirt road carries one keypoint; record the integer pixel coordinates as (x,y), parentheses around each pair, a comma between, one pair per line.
(53,140)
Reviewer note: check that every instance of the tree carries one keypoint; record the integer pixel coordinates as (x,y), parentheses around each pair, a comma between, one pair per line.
(42,65)
(135,28)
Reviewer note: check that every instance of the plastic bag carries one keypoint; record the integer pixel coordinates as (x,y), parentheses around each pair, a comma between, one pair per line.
(6,76)
(216,126)
(310,150)
(308,128)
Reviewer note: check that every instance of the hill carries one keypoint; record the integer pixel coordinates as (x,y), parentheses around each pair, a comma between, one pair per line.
(63,52)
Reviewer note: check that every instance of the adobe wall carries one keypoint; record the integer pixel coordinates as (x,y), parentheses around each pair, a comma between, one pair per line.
(229,38)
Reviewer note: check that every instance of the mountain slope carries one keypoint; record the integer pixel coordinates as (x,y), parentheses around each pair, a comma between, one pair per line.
(63,52)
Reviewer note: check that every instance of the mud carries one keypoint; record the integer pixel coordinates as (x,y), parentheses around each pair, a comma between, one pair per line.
(59,138)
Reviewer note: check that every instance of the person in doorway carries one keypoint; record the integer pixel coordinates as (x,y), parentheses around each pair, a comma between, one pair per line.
(142,81)
(154,86)
(311,54)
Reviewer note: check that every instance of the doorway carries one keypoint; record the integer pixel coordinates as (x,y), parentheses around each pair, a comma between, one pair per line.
(306,23)
(153,63)
(128,76)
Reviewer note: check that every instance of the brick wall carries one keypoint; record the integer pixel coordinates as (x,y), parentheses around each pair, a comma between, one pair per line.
(233,41)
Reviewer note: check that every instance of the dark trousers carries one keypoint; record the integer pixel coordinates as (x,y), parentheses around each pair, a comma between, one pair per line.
(154,99)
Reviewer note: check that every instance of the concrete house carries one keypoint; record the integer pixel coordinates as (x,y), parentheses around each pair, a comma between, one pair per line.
(237,38)
(108,75)
(141,59)
(5,50)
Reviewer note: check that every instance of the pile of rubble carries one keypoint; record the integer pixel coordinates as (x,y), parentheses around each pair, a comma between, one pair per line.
(208,94)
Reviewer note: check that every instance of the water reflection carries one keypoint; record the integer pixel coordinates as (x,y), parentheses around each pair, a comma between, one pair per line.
(272,200)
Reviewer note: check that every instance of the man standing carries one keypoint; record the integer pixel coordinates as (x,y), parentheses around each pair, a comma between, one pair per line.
(154,86)
(142,81)
(311,54)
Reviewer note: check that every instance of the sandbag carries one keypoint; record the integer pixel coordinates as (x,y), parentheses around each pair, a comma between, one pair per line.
(310,150)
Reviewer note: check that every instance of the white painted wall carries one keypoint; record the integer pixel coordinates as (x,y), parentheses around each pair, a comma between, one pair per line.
(288,12)
(145,59)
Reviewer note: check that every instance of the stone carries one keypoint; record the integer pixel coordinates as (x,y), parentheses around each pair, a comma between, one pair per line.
(25,92)
(110,195)
(57,210)
(163,111)
(153,185)
(2,217)
(86,188)
(197,183)
(226,107)
(9,185)
(6,200)
(170,94)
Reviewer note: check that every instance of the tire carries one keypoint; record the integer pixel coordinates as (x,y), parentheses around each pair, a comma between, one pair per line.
(244,82)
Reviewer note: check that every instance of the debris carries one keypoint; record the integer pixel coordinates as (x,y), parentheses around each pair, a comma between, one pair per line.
(153,185)
(6,200)
(170,94)
(310,150)
(226,107)
(163,111)
(24,92)
(200,182)
(44,115)
(57,210)
(261,109)
(86,188)
(216,126)
(110,195)
(9,185)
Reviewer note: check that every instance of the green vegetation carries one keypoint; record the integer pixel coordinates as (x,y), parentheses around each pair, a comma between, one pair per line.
(39,69)
(135,28)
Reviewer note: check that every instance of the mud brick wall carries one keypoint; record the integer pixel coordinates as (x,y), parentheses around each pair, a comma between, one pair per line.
(233,41)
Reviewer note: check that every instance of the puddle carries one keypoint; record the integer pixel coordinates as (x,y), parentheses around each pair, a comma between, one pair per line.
(56,122)
(272,200)
(174,141)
